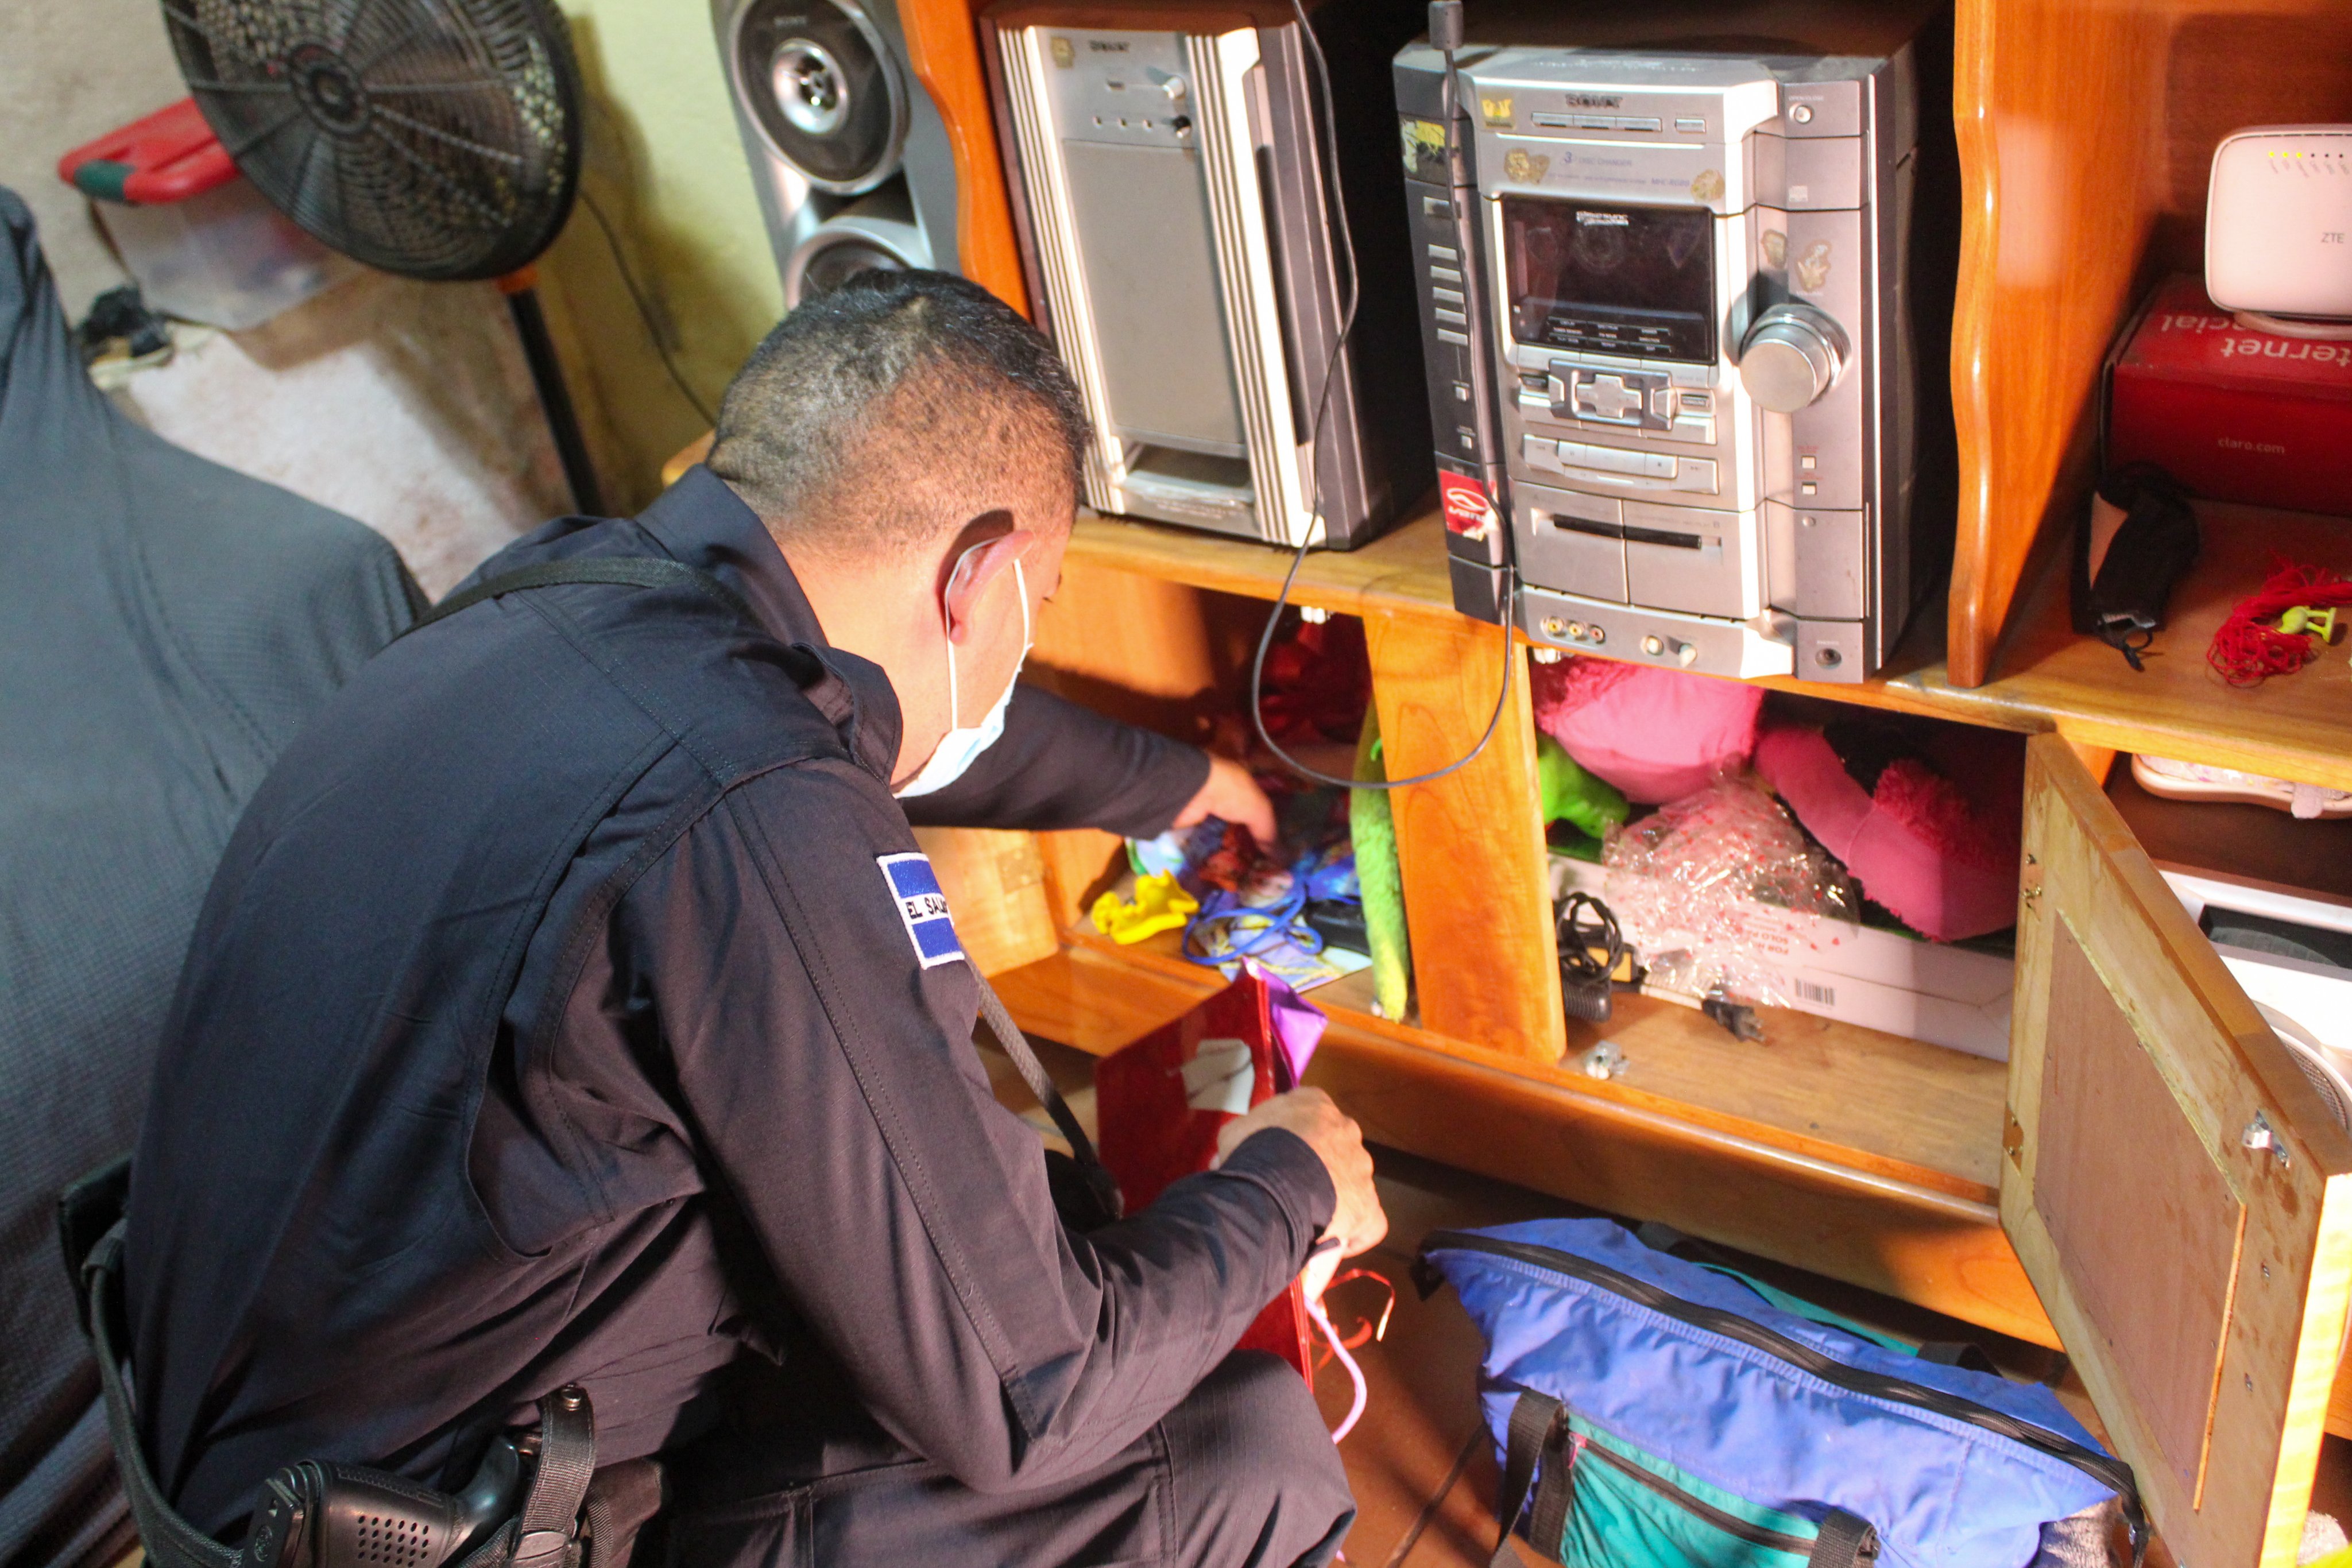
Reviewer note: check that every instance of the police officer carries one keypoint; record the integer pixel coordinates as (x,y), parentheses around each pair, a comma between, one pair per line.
(569,1007)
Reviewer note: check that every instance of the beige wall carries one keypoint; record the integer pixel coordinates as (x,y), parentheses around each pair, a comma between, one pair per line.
(406,406)
(666,164)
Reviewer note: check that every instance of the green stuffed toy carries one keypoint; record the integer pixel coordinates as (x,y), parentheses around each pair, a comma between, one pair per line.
(1586,803)
(1373,830)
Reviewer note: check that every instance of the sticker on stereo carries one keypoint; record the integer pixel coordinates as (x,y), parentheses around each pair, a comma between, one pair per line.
(923,908)
(1467,510)
(1522,167)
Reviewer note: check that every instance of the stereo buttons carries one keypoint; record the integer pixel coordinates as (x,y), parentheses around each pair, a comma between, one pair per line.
(1607,397)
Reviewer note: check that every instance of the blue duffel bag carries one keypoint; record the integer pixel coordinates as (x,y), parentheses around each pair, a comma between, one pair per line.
(1654,1413)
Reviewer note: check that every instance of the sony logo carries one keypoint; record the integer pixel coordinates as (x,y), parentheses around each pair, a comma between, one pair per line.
(1605,220)
(1593,101)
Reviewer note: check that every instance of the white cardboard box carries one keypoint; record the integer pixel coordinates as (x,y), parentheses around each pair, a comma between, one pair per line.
(1902,985)
(2315,997)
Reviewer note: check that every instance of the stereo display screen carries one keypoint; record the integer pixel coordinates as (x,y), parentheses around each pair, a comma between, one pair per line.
(1610,279)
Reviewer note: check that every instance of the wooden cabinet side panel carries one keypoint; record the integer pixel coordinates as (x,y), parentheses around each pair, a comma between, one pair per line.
(2058,109)
(995,887)
(1080,864)
(1477,896)
(943,44)
(1142,649)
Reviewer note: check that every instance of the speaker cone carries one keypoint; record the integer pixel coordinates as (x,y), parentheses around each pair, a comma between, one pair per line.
(822,85)
(868,237)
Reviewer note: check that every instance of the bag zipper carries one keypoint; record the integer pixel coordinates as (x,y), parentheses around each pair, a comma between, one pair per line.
(1730,1524)
(2105,1468)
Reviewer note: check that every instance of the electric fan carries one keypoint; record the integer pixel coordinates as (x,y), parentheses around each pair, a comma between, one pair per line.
(434,139)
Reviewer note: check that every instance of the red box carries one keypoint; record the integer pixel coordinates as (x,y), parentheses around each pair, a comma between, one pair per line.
(2235,415)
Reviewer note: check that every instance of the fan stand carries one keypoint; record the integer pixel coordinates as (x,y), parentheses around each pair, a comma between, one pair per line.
(520,289)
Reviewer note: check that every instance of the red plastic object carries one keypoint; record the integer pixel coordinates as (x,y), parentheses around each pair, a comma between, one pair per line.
(169,156)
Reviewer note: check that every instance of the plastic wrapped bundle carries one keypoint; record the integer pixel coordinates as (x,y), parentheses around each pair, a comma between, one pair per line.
(1707,891)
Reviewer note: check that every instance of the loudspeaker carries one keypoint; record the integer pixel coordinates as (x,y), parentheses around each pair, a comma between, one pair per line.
(848,153)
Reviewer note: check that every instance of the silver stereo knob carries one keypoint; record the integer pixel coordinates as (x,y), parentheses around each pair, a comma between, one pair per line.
(1791,356)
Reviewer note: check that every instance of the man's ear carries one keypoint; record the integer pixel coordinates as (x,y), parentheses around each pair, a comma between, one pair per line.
(970,574)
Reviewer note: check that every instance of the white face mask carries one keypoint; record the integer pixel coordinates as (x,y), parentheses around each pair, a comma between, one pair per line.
(960,746)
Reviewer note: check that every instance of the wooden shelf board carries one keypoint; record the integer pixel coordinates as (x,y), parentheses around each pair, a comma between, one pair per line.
(1883,1221)
(1404,571)
(2048,677)
(1895,1109)
(2296,726)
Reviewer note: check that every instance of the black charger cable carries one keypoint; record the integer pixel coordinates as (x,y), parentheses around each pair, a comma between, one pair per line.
(1445,35)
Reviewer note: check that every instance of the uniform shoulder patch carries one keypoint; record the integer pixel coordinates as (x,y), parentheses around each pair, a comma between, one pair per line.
(922,907)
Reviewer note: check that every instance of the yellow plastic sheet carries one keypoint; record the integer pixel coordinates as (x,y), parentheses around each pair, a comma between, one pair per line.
(1159,905)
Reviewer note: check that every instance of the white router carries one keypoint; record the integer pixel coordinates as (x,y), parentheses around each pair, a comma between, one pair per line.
(2278,229)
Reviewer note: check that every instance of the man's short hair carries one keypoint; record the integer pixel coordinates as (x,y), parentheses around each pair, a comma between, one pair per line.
(899,406)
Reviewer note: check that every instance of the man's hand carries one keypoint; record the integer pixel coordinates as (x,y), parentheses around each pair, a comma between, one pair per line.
(1357,1221)
(1234,796)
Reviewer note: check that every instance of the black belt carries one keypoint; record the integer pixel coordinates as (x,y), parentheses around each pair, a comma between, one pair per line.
(320,1513)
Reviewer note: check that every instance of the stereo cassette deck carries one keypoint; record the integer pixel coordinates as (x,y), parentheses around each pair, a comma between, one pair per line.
(1668,311)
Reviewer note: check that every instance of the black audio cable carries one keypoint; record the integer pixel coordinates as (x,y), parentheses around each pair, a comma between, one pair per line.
(644,309)
(1445,35)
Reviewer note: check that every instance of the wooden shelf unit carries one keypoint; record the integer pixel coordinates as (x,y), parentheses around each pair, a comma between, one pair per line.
(1865,1156)
(2051,679)
(2085,128)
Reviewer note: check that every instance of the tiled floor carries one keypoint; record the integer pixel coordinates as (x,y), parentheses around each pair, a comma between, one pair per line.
(1423,1471)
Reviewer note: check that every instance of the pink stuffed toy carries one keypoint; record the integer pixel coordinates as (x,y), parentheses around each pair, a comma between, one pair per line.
(1928,821)
(1657,735)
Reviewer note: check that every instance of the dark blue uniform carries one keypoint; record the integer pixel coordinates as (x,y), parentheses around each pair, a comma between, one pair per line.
(553,1018)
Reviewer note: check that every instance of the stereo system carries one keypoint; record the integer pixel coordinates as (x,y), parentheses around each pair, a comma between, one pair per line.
(1171,189)
(1675,375)
(848,153)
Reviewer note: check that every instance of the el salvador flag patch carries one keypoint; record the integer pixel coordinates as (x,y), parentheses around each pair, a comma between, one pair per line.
(923,908)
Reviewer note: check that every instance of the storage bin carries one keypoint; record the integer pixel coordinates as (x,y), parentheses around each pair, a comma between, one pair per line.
(203,243)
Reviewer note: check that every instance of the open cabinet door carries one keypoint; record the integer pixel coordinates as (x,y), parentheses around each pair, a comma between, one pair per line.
(2174,1186)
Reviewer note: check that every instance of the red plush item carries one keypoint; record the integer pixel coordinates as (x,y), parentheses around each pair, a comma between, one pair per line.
(1936,836)
(1160,1103)
(1656,735)
(1319,681)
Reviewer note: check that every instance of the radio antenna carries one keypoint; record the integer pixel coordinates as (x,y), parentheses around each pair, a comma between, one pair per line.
(1446,30)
